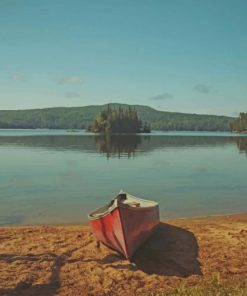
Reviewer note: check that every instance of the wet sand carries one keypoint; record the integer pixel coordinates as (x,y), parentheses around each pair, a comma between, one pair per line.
(184,254)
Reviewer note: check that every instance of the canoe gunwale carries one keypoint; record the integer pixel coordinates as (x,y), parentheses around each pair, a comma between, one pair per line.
(110,207)
(107,212)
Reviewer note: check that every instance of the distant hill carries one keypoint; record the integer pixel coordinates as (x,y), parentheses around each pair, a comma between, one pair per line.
(81,117)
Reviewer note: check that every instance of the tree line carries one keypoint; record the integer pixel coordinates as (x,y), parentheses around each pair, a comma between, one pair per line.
(82,117)
(240,124)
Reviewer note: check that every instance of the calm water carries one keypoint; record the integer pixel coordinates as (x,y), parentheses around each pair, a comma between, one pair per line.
(58,177)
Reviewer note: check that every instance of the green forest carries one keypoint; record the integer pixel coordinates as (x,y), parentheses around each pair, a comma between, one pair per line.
(240,124)
(120,120)
(82,117)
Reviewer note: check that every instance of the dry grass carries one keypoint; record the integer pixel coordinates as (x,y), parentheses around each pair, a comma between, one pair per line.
(184,257)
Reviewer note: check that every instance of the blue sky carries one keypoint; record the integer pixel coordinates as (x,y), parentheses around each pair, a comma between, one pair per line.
(175,55)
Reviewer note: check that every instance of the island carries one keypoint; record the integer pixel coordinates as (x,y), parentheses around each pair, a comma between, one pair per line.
(118,121)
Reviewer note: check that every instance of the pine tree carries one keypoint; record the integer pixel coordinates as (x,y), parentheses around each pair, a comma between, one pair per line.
(240,124)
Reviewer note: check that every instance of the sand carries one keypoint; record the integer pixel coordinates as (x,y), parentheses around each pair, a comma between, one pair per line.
(183,253)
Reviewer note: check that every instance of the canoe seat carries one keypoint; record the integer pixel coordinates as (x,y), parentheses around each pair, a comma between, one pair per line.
(133,204)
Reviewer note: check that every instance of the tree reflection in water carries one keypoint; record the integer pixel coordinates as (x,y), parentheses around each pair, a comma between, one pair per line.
(118,145)
(122,145)
(242,144)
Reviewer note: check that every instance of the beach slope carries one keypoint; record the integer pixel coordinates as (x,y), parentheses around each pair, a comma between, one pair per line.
(202,256)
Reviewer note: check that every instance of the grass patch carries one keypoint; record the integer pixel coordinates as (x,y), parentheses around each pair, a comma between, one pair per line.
(213,286)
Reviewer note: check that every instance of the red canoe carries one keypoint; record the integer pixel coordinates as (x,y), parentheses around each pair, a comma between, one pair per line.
(125,223)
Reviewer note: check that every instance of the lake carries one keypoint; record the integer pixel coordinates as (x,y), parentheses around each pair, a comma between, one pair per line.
(57,177)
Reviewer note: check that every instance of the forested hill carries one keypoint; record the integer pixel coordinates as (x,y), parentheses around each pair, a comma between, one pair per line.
(81,117)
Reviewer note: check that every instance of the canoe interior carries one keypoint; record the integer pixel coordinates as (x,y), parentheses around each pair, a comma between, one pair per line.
(121,200)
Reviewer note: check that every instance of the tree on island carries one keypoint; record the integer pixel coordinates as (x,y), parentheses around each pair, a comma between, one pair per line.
(240,124)
(121,120)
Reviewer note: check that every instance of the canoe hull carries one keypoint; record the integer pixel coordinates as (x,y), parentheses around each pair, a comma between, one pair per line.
(108,230)
(138,225)
(125,228)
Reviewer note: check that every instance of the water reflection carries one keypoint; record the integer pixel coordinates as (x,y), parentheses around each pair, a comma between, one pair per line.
(242,145)
(121,146)
(116,145)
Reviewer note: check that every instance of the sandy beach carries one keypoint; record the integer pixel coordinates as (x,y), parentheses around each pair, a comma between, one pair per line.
(199,256)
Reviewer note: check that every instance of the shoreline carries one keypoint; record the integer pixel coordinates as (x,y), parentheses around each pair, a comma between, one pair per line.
(184,256)
(174,219)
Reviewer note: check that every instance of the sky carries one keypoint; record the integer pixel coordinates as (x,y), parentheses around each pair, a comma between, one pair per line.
(174,55)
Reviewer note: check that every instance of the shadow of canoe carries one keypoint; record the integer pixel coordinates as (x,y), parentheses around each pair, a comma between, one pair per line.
(171,251)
